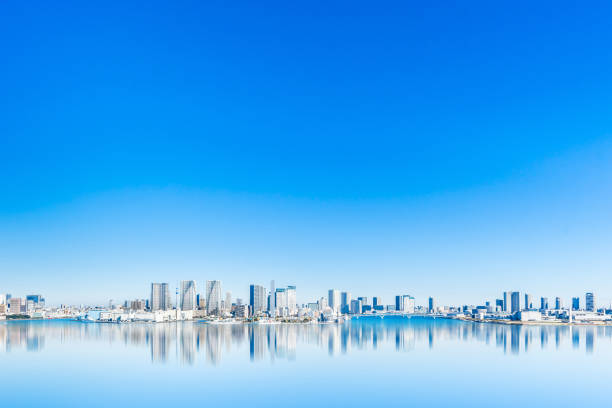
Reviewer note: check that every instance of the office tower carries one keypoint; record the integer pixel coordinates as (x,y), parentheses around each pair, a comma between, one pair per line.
(280,299)
(515,302)
(15,305)
(334,300)
(528,302)
(272,302)
(558,303)
(345,302)
(228,301)
(37,300)
(375,301)
(406,303)
(257,298)
(2,299)
(187,298)
(589,301)
(213,297)
(575,303)
(432,305)
(292,299)
(507,301)
(500,303)
(364,300)
(544,303)
(356,306)
(160,296)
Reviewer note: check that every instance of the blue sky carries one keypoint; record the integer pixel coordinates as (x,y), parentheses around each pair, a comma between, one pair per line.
(451,149)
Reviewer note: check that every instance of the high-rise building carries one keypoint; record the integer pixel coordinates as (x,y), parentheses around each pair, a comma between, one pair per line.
(2,299)
(589,302)
(528,302)
(228,301)
(280,299)
(375,301)
(432,305)
(272,302)
(558,303)
(187,298)
(213,297)
(334,300)
(160,296)
(516,302)
(345,302)
(404,303)
(16,306)
(291,299)
(575,303)
(356,306)
(544,303)
(257,298)
(507,301)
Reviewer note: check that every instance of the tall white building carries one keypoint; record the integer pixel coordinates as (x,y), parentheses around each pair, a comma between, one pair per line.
(257,298)
(213,297)
(272,304)
(160,297)
(291,300)
(280,299)
(333,300)
(188,295)
(228,302)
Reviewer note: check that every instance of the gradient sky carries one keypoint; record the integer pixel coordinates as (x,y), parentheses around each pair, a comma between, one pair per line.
(455,149)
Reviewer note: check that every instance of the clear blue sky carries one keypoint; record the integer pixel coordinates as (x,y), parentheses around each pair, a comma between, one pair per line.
(454,149)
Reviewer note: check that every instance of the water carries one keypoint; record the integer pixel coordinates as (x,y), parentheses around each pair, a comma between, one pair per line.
(365,362)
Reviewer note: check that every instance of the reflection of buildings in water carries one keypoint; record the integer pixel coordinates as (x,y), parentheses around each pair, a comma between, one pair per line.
(160,342)
(187,341)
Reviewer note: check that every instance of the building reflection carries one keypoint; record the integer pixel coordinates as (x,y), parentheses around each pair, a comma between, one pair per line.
(190,342)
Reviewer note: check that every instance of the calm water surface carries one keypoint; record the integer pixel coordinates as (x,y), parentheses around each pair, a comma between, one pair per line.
(365,362)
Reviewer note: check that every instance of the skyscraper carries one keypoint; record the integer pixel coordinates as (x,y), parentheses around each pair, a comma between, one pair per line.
(160,296)
(228,302)
(544,303)
(345,302)
(188,295)
(507,301)
(292,299)
(589,302)
(432,305)
(257,298)
(404,303)
(558,303)
(528,302)
(213,297)
(333,300)
(515,302)
(280,299)
(575,303)
(272,303)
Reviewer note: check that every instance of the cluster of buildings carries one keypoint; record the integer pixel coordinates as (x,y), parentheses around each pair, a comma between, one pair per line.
(281,303)
(31,305)
(514,305)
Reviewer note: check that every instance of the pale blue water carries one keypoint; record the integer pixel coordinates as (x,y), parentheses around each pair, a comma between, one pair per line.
(369,362)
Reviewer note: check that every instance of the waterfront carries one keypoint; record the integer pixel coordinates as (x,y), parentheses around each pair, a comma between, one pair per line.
(415,360)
